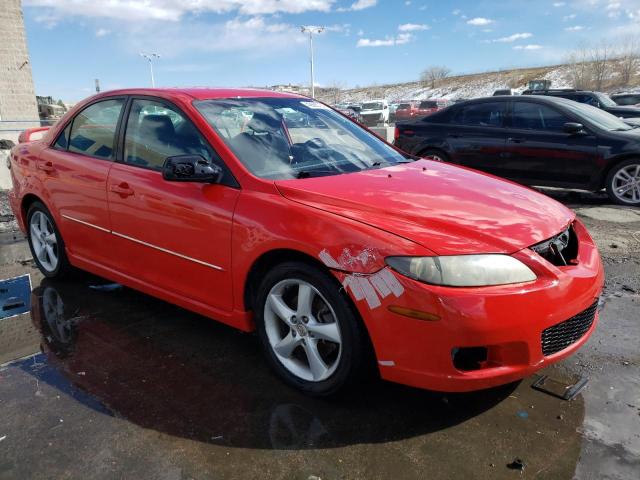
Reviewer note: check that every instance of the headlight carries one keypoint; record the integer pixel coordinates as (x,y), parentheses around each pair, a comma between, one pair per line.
(463,270)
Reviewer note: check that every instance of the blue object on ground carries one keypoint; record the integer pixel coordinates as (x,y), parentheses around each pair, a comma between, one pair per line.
(15,296)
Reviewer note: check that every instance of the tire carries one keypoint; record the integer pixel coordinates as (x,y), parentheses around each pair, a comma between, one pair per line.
(46,243)
(624,175)
(438,155)
(292,333)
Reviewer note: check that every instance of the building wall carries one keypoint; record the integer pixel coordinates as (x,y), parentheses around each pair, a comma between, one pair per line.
(17,95)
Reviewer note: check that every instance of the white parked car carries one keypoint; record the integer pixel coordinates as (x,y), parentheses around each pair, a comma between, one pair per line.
(375,112)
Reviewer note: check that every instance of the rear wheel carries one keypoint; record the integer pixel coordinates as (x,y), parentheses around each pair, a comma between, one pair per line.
(437,155)
(45,242)
(308,330)
(623,183)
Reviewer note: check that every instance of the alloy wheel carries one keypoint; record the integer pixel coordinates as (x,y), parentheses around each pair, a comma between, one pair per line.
(626,184)
(44,241)
(303,330)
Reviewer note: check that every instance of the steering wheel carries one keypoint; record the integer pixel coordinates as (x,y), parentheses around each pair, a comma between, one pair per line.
(315,142)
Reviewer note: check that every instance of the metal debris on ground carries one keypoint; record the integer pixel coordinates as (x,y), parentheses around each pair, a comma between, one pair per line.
(560,389)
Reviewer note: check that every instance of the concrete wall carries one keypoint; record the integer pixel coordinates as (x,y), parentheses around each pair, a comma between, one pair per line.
(18,107)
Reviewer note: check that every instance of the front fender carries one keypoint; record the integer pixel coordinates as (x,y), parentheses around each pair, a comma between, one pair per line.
(265,222)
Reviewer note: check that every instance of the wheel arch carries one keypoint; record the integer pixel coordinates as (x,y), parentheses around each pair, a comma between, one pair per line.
(269,260)
(28,200)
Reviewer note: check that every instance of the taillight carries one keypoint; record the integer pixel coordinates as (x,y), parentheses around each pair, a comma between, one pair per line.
(396,134)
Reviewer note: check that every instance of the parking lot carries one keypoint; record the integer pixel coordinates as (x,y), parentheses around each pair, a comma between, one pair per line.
(101,381)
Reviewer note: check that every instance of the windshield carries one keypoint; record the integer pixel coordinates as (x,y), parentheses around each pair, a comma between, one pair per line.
(281,138)
(429,104)
(597,117)
(404,106)
(606,100)
(372,106)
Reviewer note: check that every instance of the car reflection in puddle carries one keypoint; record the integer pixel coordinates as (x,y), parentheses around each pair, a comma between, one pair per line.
(160,367)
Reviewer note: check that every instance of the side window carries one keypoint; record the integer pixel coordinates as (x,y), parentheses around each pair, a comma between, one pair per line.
(94,129)
(489,114)
(156,131)
(62,143)
(533,116)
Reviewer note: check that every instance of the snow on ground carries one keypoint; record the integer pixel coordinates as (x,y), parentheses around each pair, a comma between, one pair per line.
(461,87)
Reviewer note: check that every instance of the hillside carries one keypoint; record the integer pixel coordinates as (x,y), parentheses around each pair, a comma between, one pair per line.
(461,86)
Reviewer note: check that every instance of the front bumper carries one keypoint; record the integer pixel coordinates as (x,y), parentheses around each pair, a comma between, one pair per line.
(507,320)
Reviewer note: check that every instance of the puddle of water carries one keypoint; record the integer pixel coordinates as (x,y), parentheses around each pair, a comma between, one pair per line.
(160,367)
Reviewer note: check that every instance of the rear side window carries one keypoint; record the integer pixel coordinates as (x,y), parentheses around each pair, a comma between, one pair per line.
(93,130)
(533,116)
(490,114)
(62,143)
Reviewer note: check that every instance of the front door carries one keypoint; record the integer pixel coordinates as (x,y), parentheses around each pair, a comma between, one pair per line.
(75,170)
(541,152)
(171,235)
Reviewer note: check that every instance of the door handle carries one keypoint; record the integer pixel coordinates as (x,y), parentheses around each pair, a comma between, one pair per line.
(515,140)
(45,166)
(122,189)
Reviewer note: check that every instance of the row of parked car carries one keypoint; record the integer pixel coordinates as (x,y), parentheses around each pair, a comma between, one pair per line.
(381,112)
(555,137)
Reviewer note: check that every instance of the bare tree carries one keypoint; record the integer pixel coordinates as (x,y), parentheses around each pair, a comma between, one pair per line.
(333,91)
(579,68)
(600,60)
(628,60)
(434,74)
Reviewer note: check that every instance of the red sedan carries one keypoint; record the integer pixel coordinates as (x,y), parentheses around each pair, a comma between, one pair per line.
(272,212)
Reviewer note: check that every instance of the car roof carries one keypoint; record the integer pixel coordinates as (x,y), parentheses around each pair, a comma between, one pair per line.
(204,93)
(520,98)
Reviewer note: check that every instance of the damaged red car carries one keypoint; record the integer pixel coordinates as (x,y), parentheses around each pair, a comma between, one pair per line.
(272,212)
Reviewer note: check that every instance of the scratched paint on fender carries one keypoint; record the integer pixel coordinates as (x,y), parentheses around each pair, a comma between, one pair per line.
(372,288)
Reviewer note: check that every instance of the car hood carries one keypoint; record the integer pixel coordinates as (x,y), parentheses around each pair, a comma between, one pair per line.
(447,209)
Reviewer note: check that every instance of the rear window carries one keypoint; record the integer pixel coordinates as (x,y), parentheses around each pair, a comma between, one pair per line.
(372,106)
(429,104)
(627,99)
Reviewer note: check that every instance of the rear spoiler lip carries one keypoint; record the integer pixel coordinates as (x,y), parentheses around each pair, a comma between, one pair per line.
(25,135)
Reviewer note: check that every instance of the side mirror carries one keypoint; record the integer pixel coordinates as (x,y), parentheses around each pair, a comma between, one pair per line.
(573,128)
(190,168)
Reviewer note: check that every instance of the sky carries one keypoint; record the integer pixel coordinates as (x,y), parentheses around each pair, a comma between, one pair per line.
(259,42)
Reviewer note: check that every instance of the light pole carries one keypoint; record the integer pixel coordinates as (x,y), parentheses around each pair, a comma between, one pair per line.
(311,29)
(150,57)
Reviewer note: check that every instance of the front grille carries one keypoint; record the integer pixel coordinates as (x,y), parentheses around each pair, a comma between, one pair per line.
(562,335)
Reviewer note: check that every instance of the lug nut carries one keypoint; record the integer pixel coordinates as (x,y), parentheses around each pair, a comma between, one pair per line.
(294,320)
(305,319)
(293,332)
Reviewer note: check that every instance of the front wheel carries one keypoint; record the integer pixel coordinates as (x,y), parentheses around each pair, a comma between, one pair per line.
(310,334)
(45,242)
(623,183)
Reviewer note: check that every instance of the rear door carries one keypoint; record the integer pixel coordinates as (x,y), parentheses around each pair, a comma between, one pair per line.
(540,152)
(74,171)
(477,135)
(175,236)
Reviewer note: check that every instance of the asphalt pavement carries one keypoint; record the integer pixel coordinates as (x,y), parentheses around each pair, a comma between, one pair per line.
(98,381)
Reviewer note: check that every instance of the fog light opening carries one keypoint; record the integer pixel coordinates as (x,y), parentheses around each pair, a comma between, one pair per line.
(469,358)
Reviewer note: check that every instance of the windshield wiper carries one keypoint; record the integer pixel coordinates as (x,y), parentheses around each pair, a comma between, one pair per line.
(309,173)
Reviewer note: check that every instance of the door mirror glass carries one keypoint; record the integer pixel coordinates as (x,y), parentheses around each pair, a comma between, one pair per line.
(573,128)
(191,168)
